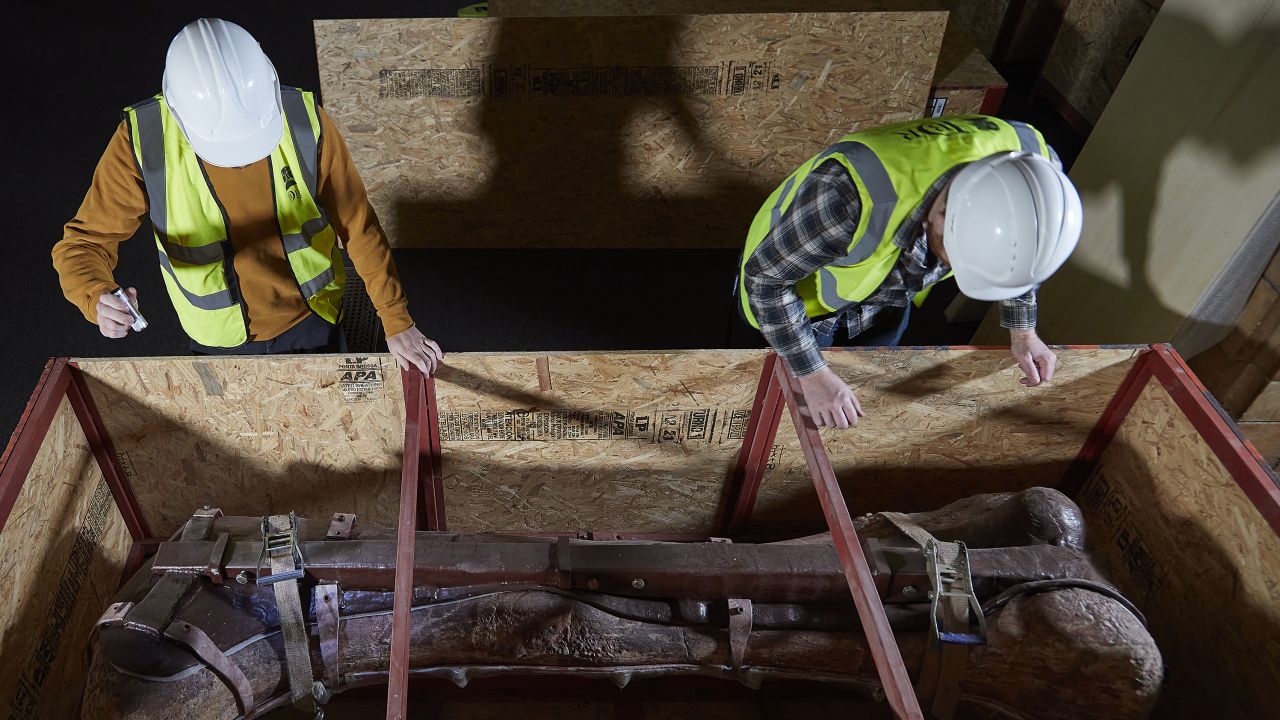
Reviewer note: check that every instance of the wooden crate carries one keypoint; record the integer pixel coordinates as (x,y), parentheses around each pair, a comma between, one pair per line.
(113,454)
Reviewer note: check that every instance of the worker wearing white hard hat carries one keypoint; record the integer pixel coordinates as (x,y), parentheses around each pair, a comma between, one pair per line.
(867,226)
(252,196)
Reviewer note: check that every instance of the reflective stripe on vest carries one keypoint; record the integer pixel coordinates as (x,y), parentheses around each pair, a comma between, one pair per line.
(893,168)
(190,224)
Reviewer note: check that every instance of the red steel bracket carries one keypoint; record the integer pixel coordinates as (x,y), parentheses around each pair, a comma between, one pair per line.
(25,442)
(105,451)
(884,648)
(415,400)
(753,458)
(1086,461)
(1258,482)
(431,507)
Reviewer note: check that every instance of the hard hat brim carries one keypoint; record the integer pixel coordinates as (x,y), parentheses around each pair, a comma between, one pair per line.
(241,151)
(987,292)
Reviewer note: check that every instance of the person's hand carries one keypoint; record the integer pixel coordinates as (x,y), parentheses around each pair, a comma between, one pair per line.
(1034,357)
(114,319)
(830,400)
(411,347)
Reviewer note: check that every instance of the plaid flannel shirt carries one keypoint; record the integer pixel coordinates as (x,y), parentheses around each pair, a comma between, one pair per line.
(815,231)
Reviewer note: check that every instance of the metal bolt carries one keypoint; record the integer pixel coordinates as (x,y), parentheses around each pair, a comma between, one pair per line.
(638,583)
(342,518)
(909,591)
(243,577)
(593,584)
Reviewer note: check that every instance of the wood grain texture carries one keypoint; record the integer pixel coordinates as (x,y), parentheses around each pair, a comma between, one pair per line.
(979,19)
(316,434)
(962,65)
(623,441)
(942,425)
(61,555)
(1093,49)
(582,8)
(1178,536)
(644,441)
(660,131)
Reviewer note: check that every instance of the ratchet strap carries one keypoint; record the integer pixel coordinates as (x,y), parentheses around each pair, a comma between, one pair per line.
(280,550)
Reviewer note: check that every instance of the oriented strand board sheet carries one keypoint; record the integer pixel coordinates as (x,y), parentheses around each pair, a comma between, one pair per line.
(942,425)
(644,441)
(626,132)
(979,19)
(610,441)
(963,75)
(584,8)
(1093,49)
(316,434)
(62,551)
(1174,531)
(959,101)
(961,64)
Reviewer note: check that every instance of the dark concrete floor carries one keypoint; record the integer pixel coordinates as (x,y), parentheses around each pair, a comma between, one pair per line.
(77,68)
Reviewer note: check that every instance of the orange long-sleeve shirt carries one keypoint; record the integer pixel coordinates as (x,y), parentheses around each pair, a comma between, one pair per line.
(116,204)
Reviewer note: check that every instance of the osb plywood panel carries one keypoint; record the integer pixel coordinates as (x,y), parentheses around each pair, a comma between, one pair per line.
(1093,49)
(584,8)
(960,101)
(315,434)
(61,554)
(658,131)
(644,441)
(942,425)
(1181,539)
(961,64)
(979,19)
(610,441)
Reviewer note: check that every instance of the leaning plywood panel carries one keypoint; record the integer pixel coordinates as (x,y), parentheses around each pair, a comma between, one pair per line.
(1183,541)
(611,441)
(570,8)
(62,551)
(942,425)
(980,19)
(654,131)
(963,78)
(1097,40)
(314,434)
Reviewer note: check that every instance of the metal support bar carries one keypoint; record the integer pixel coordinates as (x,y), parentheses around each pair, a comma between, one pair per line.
(753,458)
(431,496)
(1258,482)
(1086,461)
(415,399)
(880,640)
(105,452)
(29,435)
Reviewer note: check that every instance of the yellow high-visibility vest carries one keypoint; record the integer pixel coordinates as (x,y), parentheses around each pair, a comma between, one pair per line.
(893,167)
(191,225)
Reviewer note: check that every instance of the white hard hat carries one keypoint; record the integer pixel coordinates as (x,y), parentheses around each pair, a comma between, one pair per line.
(1012,220)
(224,93)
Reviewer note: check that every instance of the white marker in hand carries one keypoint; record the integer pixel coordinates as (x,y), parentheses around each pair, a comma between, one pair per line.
(139,323)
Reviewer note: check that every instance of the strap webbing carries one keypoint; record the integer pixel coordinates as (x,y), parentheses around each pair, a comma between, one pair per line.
(293,623)
(951,620)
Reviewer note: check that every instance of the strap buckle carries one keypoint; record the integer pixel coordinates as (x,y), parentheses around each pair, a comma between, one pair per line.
(953,581)
(280,549)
